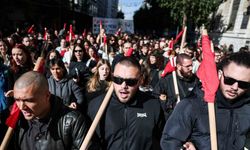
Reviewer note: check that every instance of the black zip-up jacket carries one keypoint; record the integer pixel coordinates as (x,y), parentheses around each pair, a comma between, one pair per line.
(136,125)
(189,122)
(65,130)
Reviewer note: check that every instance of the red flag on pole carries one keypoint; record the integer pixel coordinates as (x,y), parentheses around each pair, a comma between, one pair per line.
(104,40)
(14,115)
(118,32)
(31,30)
(45,36)
(207,71)
(178,36)
(170,67)
(84,33)
(130,52)
(64,26)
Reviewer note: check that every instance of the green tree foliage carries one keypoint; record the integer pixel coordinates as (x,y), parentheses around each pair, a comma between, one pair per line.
(196,11)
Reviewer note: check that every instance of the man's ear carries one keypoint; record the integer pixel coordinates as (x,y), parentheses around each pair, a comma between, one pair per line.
(220,74)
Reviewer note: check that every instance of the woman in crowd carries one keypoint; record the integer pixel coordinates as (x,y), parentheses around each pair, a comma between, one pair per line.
(77,68)
(93,59)
(100,81)
(62,86)
(3,52)
(53,54)
(20,63)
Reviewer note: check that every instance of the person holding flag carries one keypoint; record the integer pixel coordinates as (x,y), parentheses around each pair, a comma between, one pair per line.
(190,120)
(170,91)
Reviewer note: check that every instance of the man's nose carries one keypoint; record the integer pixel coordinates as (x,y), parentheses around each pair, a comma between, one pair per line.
(21,105)
(124,85)
(235,86)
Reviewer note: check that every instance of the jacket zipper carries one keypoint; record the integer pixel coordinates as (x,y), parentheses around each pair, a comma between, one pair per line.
(229,129)
(125,128)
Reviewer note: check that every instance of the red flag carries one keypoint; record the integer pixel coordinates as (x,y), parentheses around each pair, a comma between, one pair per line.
(118,32)
(45,36)
(31,30)
(84,33)
(178,36)
(207,71)
(104,40)
(170,67)
(171,44)
(130,52)
(14,115)
(64,26)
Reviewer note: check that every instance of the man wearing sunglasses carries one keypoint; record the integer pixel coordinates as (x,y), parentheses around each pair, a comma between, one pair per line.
(133,120)
(189,120)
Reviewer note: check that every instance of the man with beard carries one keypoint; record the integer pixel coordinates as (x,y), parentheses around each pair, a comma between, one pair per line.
(186,81)
(133,120)
(189,120)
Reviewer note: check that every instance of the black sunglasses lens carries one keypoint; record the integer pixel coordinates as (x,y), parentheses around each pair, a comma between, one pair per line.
(117,80)
(129,82)
(244,85)
(229,81)
(241,84)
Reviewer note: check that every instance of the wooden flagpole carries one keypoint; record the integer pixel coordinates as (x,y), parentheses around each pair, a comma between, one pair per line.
(97,118)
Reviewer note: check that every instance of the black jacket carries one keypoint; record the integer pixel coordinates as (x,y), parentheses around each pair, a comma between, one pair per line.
(136,125)
(166,86)
(66,129)
(189,121)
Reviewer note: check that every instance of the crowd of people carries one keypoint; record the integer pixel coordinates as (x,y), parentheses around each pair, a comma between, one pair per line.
(59,102)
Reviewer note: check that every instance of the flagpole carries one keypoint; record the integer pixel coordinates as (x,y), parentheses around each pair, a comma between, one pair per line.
(97,118)
(183,40)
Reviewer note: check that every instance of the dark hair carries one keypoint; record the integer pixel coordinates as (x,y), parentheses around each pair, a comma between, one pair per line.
(129,61)
(73,57)
(240,58)
(59,62)
(180,57)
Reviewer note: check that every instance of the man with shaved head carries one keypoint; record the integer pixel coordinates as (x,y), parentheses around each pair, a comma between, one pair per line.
(45,122)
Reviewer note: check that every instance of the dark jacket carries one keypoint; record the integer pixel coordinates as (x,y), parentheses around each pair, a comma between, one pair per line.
(166,86)
(65,130)
(79,70)
(136,125)
(189,121)
(67,90)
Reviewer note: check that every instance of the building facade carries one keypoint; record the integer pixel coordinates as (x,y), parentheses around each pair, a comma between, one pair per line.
(232,24)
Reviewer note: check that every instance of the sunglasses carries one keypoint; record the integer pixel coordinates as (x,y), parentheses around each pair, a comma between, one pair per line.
(231,81)
(78,51)
(129,82)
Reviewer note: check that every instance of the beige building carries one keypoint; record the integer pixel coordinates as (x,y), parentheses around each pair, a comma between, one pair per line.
(232,24)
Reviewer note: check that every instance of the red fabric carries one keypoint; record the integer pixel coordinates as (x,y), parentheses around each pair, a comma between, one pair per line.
(178,36)
(169,68)
(64,26)
(14,115)
(84,33)
(130,52)
(31,30)
(118,32)
(45,34)
(62,52)
(104,40)
(71,33)
(171,44)
(207,72)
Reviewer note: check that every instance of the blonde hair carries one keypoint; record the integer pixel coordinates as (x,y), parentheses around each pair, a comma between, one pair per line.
(94,82)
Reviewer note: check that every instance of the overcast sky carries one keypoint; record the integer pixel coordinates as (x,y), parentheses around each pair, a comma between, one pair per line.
(128,7)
